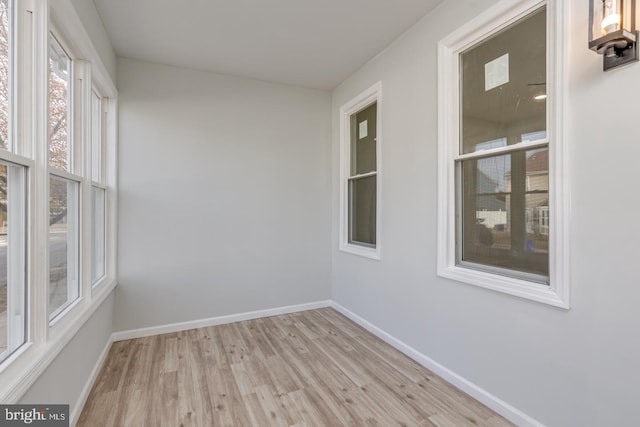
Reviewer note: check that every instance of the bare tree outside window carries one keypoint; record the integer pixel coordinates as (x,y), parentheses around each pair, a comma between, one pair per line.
(59,105)
(4,74)
(4,137)
(63,193)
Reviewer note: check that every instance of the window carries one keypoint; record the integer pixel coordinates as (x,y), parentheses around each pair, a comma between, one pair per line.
(56,190)
(63,244)
(98,190)
(97,137)
(59,106)
(360,174)
(501,218)
(6,64)
(64,187)
(98,230)
(13,203)
(13,210)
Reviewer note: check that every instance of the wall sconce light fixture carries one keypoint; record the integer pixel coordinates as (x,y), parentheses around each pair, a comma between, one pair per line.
(612,31)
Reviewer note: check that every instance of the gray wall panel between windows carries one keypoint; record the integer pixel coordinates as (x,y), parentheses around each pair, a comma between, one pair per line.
(563,368)
(225,195)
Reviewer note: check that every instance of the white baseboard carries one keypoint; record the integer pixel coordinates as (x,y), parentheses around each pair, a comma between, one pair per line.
(84,395)
(498,405)
(214,321)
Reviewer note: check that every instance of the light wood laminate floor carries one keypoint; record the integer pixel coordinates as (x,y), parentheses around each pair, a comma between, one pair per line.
(314,368)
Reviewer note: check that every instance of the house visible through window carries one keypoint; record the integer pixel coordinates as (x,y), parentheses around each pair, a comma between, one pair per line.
(501,193)
(502,187)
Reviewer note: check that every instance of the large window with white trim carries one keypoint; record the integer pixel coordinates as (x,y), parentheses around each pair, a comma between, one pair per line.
(57,186)
(360,174)
(501,150)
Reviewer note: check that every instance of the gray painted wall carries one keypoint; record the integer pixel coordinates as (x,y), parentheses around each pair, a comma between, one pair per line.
(67,375)
(564,368)
(225,196)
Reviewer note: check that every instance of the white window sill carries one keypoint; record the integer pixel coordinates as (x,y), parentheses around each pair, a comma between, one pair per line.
(509,285)
(24,367)
(363,251)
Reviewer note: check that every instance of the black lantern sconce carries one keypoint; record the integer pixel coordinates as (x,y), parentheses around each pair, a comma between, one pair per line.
(612,31)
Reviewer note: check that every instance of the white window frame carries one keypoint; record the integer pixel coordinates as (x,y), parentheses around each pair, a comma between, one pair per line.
(496,18)
(366,98)
(74,242)
(18,322)
(98,161)
(17,198)
(45,340)
(76,132)
(72,160)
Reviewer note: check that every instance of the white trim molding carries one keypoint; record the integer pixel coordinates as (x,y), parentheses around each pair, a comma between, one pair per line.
(214,321)
(36,357)
(364,99)
(493,20)
(483,396)
(77,408)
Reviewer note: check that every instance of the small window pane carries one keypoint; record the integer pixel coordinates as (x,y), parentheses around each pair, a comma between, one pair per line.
(363,141)
(362,200)
(98,227)
(12,258)
(5,73)
(505,211)
(59,106)
(503,86)
(96,138)
(63,244)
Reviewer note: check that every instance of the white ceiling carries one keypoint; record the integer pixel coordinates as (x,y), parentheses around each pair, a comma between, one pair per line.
(312,43)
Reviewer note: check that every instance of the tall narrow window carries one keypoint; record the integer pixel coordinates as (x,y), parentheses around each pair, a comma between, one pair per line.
(63,244)
(497,135)
(98,190)
(5,72)
(98,229)
(59,106)
(64,187)
(362,180)
(360,174)
(13,216)
(97,138)
(506,105)
(13,207)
